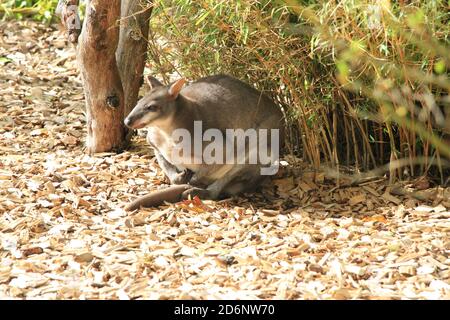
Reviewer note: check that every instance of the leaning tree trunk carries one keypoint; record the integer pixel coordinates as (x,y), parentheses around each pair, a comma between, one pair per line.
(131,53)
(108,98)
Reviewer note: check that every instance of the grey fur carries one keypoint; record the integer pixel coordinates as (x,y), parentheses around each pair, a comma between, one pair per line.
(221,102)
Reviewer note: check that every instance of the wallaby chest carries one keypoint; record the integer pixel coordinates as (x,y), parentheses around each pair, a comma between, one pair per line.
(165,144)
(161,141)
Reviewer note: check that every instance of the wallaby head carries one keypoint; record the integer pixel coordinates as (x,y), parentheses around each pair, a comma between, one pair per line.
(158,104)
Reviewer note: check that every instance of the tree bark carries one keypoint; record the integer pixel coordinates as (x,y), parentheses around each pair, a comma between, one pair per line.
(102,85)
(131,53)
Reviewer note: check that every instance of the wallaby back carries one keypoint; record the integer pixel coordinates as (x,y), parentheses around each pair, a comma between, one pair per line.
(224,102)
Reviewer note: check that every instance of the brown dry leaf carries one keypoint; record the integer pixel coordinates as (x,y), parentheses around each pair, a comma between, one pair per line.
(344,294)
(371,190)
(391,198)
(69,140)
(357,199)
(31,251)
(377,218)
(84,257)
(195,205)
(421,184)
(285,184)
(305,186)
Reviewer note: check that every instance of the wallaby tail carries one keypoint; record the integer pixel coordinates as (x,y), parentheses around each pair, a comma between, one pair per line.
(171,194)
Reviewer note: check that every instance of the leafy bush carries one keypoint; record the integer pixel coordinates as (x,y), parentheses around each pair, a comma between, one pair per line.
(41,10)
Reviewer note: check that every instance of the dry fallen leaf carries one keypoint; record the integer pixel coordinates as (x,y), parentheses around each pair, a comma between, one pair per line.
(84,257)
(357,199)
(69,140)
(31,251)
(377,218)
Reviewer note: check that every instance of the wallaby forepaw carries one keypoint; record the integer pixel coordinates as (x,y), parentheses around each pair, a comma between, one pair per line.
(182,177)
(192,192)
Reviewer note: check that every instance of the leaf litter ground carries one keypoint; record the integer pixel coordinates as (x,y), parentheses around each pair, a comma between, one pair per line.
(64,234)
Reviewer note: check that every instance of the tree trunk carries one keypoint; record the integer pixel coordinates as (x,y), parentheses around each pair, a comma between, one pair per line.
(131,53)
(111,65)
(102,85)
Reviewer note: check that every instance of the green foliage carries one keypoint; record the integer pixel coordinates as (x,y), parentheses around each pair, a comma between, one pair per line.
(41,10)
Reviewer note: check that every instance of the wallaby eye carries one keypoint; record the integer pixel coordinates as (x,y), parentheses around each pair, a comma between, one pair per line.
(152,107)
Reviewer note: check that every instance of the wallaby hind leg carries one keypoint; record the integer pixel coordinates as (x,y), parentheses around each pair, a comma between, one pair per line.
(243,185)
(175,176)
(214,190)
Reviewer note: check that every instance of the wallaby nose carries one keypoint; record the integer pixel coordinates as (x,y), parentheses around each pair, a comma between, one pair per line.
(127,121)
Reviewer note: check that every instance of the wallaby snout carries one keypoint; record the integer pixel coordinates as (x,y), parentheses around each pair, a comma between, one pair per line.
(128,122)
(134,122)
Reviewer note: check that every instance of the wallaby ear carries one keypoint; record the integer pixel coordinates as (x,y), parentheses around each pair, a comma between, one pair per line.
(153,82)
(176,87)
